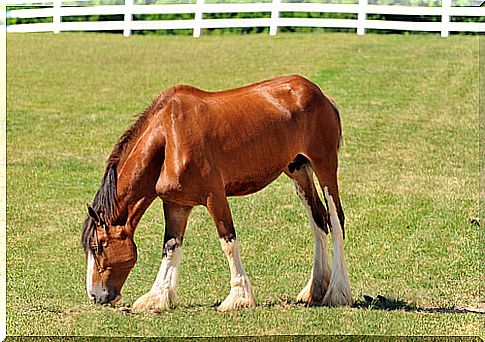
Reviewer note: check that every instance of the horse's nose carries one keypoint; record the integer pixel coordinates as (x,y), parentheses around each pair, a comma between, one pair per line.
(103,297)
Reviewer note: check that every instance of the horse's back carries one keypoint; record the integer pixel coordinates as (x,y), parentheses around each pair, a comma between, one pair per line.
(283,99)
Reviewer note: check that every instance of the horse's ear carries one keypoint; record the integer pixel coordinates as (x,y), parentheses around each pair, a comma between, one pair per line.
(93,214)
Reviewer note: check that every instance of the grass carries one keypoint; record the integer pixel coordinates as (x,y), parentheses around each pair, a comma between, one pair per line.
(409,176)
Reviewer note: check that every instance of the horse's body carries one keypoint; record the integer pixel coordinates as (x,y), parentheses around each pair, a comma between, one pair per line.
(192,147)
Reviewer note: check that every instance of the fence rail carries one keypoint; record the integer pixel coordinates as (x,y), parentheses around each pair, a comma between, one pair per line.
(361,10)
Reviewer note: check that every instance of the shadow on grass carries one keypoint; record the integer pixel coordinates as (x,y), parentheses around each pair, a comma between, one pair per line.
(379,303)
(383,303)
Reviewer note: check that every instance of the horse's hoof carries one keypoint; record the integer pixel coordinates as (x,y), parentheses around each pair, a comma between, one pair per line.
(305,295)
(234,302)
(242,303)
(311,294)
(337,297)
(153,302)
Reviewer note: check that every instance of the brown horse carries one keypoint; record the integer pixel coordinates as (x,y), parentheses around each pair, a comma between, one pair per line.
(191,147)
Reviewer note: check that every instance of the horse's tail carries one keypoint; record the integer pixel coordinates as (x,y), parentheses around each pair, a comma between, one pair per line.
(337,113)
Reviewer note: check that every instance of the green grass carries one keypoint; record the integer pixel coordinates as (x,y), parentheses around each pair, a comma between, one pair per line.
(409,176)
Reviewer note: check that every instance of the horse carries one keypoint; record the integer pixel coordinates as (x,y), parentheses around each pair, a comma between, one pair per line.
(191,147)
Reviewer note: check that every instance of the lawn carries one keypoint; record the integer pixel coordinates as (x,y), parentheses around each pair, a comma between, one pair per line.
(409,178)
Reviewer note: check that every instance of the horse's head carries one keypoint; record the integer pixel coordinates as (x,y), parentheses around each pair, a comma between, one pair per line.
(111,254)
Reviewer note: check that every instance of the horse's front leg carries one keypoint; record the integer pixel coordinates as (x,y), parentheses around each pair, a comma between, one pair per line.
(162,294)
(241,294)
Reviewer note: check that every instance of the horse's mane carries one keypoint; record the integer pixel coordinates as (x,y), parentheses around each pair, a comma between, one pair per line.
(105,201)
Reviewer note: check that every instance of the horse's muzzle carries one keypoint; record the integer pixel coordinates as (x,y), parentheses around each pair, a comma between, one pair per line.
(105,296)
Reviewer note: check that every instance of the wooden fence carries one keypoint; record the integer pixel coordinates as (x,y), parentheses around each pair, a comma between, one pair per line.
(452,18)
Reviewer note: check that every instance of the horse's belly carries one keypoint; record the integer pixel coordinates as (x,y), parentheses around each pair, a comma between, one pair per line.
(246,188)
(248,172)
(249,185)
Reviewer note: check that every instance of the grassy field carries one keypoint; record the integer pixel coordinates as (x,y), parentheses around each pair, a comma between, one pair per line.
(409,176)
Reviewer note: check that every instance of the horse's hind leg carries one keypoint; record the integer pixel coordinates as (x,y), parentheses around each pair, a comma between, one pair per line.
(241,294)
(338,292)
(302,175)
(162,294)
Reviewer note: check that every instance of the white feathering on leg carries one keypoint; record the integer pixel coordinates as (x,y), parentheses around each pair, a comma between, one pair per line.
(317,285)
(167,277)
(163,292)
(338,292)
(241,295)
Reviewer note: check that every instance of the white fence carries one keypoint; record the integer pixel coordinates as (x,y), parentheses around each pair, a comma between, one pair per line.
(361,22)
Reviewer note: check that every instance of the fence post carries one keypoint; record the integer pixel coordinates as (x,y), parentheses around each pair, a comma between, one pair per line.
(128,17)
(199,12)
(445,17)
(361,17)
(56,18)
(275,14)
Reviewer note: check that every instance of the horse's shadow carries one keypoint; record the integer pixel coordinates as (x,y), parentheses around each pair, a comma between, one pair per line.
(390,304)
(381,303)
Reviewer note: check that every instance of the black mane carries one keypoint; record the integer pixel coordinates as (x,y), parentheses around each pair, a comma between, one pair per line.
(104,204)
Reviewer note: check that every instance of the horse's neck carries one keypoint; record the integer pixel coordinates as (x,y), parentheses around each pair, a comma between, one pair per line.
(137,177)
(131,210)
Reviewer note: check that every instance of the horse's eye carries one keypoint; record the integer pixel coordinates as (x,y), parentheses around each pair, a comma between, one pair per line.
(96,249)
